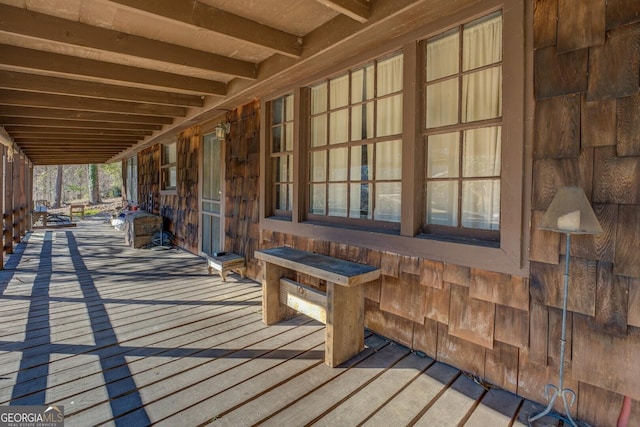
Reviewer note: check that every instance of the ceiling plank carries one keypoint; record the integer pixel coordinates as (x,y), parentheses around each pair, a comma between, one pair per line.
(57,85)
(30,121)
(210,18)
(20,130)
(36,138)
(56,113)
(51,28)
(72,66)
(354,9)
(34,99)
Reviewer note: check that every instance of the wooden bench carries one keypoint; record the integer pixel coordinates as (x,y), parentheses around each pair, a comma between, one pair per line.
(76,209)
(225,263)
(341,309)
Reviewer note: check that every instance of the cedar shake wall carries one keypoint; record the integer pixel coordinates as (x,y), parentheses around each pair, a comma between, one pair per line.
(587,133)
(180,210)
(242,178)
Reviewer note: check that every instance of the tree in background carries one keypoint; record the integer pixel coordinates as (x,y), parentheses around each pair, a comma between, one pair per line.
(57,201)
(75,187)
(94,184)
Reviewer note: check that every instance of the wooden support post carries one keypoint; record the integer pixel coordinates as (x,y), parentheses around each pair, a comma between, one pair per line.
(8,206)
(2,191)
(272,310)
(345,307)
(15,211)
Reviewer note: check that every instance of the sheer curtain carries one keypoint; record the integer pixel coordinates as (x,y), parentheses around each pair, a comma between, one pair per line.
(480,75)
(389,109)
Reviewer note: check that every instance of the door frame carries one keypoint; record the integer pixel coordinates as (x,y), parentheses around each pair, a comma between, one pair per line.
(204,132)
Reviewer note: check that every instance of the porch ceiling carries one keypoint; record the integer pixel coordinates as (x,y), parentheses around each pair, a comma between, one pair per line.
(92,81)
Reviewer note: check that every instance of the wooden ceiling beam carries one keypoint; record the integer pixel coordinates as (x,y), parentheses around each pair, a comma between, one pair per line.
(82,88)
(355,9)
(50,161)
(46,27)
(35,145)
(210,18)
(33,99)
(37,138)
(72,66)
(54,113)
(43,130)
(30,121)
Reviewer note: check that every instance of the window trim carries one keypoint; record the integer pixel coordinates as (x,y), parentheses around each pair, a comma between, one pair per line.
(268,109)
(168,166)
(511,256)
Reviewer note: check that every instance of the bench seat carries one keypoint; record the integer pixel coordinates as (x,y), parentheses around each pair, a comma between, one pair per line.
(341,308)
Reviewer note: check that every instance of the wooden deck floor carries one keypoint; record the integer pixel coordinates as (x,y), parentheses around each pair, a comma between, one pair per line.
(129,337)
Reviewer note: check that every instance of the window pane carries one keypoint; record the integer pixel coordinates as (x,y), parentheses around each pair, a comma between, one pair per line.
(338,200)
(318,198)
(338,164)
(276,111)
(288,136)
(319,131)
(173,177)
(283,197)
(390,75)
(281,169)
(339,95)
(319,98)
(482,95)
(482,152)
(388,201)
(389,160)
(361,163)
(362,84)
(389,116)
(211,207)
(362,121)
(276,139)
(442,203)
(482,44)
(360,203)
(442,55)
(289,108)
(481,204)
(169,153)
(442,103)
(339,126)
(443,155)
(318,166)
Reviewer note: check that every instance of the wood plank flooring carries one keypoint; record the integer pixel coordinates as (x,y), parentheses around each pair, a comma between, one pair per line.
(128,337)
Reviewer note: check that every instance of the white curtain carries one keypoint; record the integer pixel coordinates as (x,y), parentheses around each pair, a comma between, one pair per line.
(389,109)
(481,99)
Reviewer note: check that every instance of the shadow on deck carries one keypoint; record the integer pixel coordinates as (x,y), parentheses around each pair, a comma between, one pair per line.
(129,337)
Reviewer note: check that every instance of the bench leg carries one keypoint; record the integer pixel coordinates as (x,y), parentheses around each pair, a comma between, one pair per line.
(345,323)
(272,310)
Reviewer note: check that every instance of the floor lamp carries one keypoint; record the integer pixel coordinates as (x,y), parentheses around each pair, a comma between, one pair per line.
(569,213)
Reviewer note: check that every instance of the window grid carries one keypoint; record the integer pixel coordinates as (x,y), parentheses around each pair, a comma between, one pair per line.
(281,154)
(168,167)
(449,191)
(345,159)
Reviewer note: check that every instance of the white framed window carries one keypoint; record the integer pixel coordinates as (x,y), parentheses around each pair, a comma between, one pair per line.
(355,144)
(168,167)
(281,154)
(462,130)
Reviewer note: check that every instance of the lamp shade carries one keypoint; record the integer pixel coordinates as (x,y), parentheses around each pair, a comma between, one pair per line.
(570,212)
